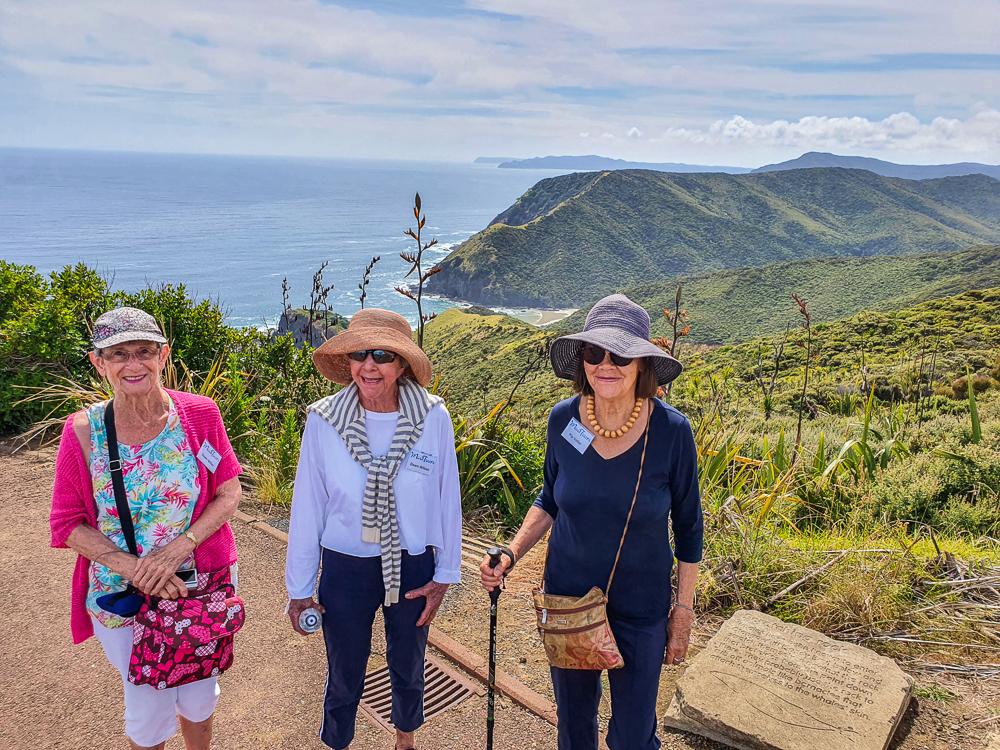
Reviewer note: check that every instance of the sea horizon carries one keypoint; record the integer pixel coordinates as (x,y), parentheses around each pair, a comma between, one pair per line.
(231,227)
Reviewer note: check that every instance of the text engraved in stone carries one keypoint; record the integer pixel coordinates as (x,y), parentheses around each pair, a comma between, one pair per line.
(795,667)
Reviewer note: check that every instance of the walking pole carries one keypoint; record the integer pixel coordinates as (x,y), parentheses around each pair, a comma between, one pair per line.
(494,553)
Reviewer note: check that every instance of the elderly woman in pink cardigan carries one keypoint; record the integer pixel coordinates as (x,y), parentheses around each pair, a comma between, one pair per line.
(180,481)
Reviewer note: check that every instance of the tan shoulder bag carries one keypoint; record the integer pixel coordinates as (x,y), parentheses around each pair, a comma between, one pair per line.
(575,630)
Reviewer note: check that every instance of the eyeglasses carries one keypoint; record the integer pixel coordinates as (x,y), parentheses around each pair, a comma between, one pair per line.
(594,355)
(380,356)
(121,356)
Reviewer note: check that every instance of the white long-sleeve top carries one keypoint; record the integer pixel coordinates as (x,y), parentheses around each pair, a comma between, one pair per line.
(329,489)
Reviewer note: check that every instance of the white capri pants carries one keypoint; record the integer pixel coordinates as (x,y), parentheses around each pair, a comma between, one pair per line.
(151,714)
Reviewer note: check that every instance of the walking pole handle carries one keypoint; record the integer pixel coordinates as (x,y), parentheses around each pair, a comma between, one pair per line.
(494,553)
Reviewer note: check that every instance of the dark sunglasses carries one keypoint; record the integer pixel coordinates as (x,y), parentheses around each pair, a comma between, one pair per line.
(594,355)
(381,356)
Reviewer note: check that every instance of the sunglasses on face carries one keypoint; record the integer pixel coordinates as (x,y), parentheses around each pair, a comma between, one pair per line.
(380,356)
(594,355)
(121,356)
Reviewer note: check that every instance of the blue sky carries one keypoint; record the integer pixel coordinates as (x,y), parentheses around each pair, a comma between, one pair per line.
(741,83)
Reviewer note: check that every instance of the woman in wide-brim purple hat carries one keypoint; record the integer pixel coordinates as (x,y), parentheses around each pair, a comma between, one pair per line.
(596,443)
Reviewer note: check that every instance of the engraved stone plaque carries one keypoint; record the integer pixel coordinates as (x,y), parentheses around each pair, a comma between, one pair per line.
(761,683)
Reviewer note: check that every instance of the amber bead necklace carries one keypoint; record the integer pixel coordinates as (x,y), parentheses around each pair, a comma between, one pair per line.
(629,423)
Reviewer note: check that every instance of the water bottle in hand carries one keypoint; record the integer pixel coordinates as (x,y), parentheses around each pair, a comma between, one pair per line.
(310,620)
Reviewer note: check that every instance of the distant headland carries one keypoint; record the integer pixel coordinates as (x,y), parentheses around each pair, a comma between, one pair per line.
(810,160)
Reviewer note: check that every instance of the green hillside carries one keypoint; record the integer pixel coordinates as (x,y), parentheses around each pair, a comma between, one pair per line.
(481,353)
(963,329)
(735,305)
(572,238)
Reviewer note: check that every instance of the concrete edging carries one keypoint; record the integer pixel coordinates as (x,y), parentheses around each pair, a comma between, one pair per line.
(466,658)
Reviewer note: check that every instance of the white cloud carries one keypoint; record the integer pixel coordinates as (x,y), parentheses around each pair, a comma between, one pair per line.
(979,133)
(549,73)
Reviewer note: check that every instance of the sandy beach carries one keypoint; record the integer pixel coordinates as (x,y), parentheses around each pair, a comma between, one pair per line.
(538,317)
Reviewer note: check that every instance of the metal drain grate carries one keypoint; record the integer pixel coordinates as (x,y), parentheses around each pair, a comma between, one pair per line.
(443,689)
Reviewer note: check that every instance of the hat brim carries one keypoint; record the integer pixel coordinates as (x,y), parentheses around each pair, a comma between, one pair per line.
(565,352)
(333,363)
(126,336)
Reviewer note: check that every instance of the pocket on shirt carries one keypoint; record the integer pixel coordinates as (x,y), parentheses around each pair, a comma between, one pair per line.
(408,478)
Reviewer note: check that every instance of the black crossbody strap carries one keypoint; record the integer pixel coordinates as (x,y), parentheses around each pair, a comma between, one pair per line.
(117,479)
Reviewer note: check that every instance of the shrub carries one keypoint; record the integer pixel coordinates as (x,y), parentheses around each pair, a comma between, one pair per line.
(980,383)
(909,490)
(526,455)
(955,491)
(273,465)
(44,334)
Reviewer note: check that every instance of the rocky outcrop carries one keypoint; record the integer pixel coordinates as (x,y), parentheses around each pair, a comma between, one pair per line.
(324,326)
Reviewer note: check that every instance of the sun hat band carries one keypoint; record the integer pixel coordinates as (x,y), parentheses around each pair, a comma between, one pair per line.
(619,325)
(371,328)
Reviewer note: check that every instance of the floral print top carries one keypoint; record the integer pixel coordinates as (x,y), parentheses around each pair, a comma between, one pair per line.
(161,484)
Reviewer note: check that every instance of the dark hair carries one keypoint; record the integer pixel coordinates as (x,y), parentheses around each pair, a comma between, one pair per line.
(645,384)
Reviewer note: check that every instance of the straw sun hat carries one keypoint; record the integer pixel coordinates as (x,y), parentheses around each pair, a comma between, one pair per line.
(371,328)
(620,326)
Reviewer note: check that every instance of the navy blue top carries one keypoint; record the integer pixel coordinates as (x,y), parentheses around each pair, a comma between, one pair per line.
(588,498)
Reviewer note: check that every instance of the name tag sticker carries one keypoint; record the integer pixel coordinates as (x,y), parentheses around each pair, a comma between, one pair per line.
(577,435)
(209,456)
(421,462)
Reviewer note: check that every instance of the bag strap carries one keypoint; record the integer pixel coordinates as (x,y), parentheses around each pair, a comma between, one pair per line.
(635,496)
(628,518)
(117,479)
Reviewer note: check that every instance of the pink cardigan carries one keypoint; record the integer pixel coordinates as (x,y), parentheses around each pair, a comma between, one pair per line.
(73,497)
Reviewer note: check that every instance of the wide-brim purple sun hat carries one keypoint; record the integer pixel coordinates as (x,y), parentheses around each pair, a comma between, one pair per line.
(619,325)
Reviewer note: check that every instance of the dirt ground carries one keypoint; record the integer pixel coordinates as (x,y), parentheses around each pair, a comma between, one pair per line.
(968,717)
(56,695)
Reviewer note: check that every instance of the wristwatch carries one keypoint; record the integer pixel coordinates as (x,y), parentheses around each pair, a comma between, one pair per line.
(192,537)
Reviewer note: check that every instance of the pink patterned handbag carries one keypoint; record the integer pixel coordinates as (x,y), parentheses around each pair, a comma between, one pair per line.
(177,641)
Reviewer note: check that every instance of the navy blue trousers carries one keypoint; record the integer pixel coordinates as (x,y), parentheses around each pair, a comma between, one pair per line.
(351,590)
(633,692)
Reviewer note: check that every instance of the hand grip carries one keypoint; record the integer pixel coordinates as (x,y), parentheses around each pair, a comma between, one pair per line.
(494,553)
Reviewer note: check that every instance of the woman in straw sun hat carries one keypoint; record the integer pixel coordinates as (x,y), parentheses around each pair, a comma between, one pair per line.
(620,471)
(377,510)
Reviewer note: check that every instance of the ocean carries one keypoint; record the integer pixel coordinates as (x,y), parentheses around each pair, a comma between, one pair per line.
(231,228)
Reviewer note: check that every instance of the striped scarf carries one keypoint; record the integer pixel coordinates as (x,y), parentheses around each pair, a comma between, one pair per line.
(344,412)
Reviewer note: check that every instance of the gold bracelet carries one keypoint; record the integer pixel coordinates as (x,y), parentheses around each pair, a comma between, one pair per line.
(192,537)
(684,606)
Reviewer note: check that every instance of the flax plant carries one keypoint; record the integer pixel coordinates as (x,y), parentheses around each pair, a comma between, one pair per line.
(482,466)
(416,259)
